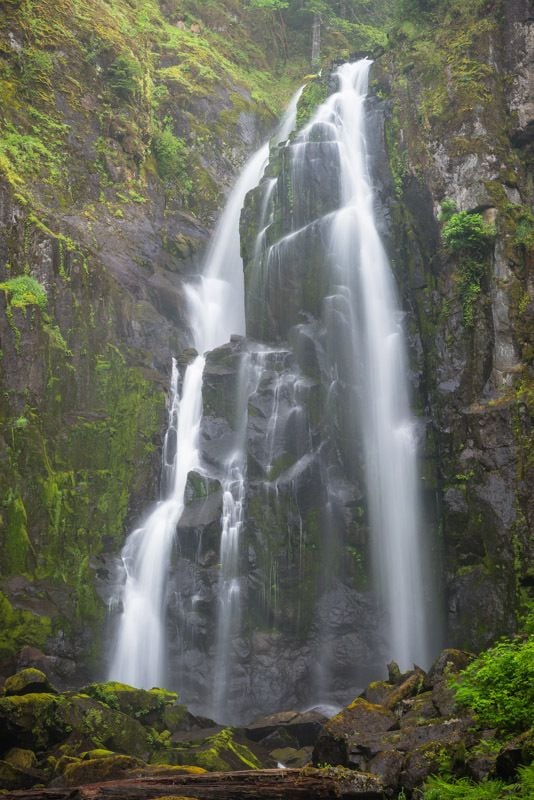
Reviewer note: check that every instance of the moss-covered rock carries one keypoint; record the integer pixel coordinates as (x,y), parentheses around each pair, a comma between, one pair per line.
(28,681)
(218,753)
(23,759)
(41,721)
(144,705)
(13,777)
(102,769)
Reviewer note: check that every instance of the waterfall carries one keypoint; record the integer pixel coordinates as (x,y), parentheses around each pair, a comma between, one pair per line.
(216,311)
(389,430)
(363,295)
(319,256)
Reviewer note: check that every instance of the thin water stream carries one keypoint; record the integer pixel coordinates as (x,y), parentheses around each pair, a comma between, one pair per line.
(216,311)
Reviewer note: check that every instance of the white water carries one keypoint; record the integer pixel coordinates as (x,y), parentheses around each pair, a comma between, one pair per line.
(139,658)
(365,296)
(216,307)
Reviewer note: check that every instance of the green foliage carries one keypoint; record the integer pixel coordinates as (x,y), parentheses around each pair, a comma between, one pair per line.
(447,209)
(271,5)
(499,685)
(124,76)
(16,542)
(465,232)
(20,628)
(170,153)
(313,95)
(464,789)
(468,237)
(437,788)
(24,291)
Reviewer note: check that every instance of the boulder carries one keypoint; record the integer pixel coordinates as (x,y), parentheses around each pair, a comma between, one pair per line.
(148,706)
(449,662)
(419,764)
(304,727)
(12,777)
(292,758)
(23,759)
(223,751)
(387,764)
(515,753)
(41,721)
(28,681)
(377,692)
(94,770)
(416,710)
(342,734)
(410,686)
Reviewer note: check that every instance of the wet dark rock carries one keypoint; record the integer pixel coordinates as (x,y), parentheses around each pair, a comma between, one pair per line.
(203,501)
(303,727)
(419,764)
(518,752)
(387,764)
(448,662)
(13,777)
(343,733)
(292,758)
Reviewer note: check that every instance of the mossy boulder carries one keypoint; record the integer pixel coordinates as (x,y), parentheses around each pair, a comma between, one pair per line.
(32,721)
(12,777)
(41,721)
(218,753)
(343,732)
(98,752)
(103,726)
(23,759)
(144,705)
(28,681)
(93,770)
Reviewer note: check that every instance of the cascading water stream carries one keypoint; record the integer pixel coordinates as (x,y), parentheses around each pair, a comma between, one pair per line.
(319,257)
(364,297)
(216,310)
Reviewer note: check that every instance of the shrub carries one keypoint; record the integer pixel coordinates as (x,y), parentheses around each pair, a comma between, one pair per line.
(170,153)
(467,233)
(438,789)
(25,291)
(467,236)
(124,75)
(499,685)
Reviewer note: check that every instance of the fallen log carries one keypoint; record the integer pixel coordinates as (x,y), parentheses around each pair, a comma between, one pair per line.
(330,783)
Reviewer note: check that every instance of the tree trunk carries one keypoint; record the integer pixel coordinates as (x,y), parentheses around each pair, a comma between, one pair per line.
(266,784)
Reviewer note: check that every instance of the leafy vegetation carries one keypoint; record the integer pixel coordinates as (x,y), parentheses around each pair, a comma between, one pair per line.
(468,237)
(499,685)
(171,157)
(23,291)
(467,233)
(439,789)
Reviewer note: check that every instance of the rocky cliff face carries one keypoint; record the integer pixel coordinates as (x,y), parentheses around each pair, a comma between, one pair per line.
(460,129)
(112,163)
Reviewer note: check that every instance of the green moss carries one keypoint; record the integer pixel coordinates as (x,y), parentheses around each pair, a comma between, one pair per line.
(20,628)
(16,542)
(24,291)
(139,703)
(314,93)
(219,753)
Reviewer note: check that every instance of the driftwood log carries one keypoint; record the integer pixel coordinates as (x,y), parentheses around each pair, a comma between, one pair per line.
(267,784)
